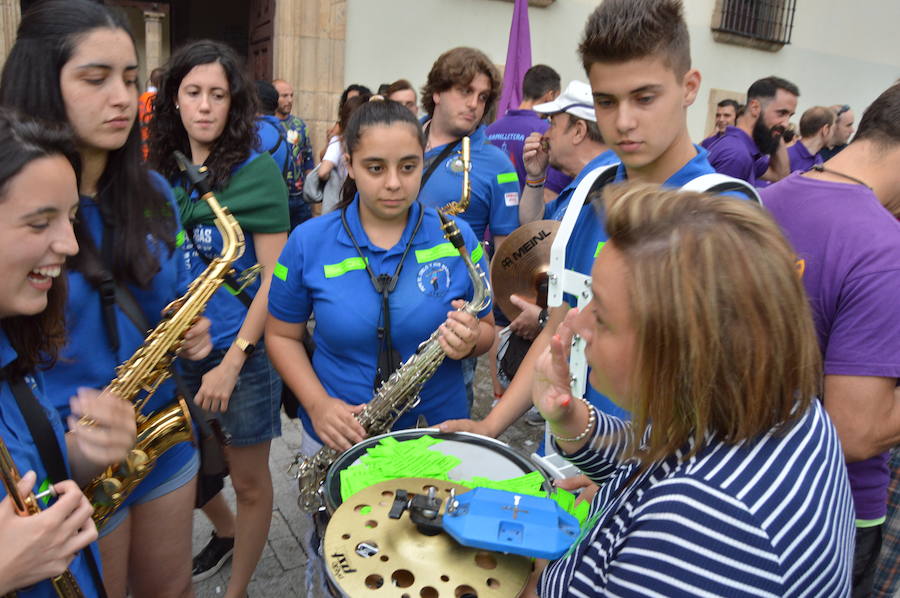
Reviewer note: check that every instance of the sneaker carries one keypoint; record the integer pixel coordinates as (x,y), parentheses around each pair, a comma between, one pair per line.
(534,418)
(215,554)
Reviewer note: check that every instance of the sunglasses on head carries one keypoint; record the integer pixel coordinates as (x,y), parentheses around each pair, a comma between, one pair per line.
(843,109)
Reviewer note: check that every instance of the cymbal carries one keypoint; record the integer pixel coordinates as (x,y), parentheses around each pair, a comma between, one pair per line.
(520,265)
(369,554)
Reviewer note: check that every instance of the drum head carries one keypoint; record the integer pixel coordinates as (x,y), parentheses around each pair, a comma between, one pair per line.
(369,554)
(480,456)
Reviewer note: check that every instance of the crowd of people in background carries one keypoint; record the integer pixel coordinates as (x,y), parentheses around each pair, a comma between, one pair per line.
(743,339)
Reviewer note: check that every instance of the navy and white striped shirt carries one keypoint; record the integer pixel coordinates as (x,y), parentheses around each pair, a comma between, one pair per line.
(769,518)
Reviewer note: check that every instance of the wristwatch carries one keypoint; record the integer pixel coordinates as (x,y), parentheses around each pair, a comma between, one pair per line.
(543,317)
(244,345)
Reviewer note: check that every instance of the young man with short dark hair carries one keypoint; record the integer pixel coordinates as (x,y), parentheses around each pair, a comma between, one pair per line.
(636,54)
(726,116)
(753,149)
(841,219)
(541,84)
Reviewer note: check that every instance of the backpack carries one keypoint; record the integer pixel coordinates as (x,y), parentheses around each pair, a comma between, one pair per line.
(290,169)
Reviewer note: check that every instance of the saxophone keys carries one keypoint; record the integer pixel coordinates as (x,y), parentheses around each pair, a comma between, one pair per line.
(137,461)
(109,491)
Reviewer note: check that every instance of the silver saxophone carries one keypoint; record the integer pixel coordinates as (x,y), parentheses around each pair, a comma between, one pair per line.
(400,392)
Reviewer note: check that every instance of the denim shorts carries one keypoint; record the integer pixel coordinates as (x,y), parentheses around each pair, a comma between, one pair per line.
(253,414)
(181,477)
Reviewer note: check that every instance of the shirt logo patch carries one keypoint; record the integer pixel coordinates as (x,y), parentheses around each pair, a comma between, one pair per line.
(433,279)
(511,199)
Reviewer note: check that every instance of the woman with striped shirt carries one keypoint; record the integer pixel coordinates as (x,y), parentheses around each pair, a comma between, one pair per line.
(729,480)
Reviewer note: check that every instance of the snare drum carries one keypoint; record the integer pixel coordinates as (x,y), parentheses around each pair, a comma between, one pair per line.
(480,456)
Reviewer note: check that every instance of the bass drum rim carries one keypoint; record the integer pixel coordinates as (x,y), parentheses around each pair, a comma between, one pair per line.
(331,490)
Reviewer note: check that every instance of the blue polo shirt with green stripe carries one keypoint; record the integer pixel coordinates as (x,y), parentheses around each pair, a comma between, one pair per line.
(319,271)
(494,199)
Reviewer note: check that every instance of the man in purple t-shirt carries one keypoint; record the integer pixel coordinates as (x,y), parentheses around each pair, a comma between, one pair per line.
(848,252)
(753,148)
(541,84)
(726,116)
(815,131)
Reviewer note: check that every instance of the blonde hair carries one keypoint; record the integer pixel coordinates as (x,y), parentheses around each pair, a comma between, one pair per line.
(725,338)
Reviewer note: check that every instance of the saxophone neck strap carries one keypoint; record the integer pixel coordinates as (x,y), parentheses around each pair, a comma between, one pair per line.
(384,285)
(49,452)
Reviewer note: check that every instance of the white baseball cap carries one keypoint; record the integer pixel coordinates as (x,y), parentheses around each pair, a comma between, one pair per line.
(577,100)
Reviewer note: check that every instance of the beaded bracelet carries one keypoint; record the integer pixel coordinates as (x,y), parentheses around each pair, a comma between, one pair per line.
(592,419)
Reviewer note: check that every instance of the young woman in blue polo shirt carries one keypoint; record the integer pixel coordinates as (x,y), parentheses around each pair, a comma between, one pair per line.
(328,266)
(74,61)
(39,199)
(206,108)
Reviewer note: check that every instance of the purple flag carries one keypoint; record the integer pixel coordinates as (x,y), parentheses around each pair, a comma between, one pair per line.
(518,59)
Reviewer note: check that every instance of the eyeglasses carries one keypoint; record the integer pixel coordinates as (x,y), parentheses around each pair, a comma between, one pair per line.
(843,109)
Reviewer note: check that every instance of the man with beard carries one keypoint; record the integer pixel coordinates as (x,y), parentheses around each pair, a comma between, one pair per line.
(297,135)
(753,148)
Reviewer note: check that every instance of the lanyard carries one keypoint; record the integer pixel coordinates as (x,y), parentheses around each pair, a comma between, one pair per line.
(384,285)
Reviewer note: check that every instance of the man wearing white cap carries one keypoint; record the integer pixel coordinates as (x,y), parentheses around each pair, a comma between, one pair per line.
(572,145)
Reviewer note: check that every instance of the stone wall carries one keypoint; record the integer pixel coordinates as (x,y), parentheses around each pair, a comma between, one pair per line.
(309,54)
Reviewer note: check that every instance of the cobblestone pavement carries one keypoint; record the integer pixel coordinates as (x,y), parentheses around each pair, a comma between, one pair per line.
(280,571)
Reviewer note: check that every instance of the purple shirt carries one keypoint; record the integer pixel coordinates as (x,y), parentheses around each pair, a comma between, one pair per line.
(710,140)
(735,153)
(509,132)
(800,157)
(848,248)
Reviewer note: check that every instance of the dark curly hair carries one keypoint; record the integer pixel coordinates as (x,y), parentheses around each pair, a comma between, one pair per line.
(45,41)
(36,338)
(167,132)
(458,67)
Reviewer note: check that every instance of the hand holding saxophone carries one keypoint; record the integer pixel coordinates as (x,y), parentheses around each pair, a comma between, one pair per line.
(459,333)
(335,423)
(43,545)
(197,342)
(101,431)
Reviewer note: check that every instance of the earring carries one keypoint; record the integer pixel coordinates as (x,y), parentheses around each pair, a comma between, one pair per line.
(177,107)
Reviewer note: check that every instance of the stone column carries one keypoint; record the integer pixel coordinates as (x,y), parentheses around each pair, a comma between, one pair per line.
(153,39)
(309,54)
(10,15)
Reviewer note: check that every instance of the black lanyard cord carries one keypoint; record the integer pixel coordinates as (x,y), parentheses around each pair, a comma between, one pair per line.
(384,285)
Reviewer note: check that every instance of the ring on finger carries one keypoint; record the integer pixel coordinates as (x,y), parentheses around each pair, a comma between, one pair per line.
(87,422)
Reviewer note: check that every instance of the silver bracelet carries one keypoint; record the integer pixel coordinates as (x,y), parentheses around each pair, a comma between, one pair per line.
(592,419)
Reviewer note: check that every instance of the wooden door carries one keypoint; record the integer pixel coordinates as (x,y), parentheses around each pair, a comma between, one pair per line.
(262,33)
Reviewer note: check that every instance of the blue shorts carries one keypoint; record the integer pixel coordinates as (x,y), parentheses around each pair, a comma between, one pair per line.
(175,481)
(253,414)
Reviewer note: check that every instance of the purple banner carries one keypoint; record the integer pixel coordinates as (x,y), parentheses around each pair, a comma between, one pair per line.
(518,59)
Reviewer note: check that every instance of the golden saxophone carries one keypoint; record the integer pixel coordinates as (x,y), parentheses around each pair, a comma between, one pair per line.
(400,392)
(65,585)
(139,377)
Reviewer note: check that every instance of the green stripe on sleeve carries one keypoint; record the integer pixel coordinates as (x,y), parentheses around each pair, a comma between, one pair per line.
(477,253)
(599,247)
(342,267)
(179,239)
(507,177)
(436,253)
(280,271)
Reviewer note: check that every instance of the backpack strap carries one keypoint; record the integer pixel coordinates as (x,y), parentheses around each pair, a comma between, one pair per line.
(720,183)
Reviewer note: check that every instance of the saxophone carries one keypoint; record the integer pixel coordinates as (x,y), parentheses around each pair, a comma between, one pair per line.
(139,377)
(65,585)
(400,392)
